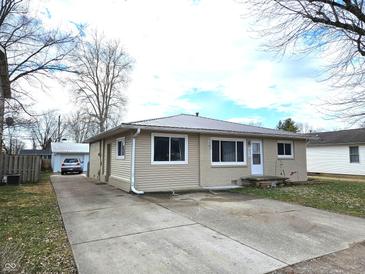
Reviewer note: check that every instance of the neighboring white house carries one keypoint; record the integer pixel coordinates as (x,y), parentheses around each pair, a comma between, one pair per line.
(337,152)
(63,150)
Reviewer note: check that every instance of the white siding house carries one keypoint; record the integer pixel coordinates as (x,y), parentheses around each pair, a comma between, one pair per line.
(63,150)
(337,152)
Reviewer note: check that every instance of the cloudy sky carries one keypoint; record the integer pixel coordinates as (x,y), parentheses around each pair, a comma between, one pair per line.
(195,56)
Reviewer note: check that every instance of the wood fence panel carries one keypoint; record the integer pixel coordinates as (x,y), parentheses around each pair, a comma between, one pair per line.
(28,167)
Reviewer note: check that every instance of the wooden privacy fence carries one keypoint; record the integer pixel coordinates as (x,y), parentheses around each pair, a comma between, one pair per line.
(28,167)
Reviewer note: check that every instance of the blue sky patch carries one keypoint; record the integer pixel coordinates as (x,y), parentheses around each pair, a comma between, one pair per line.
(214,105)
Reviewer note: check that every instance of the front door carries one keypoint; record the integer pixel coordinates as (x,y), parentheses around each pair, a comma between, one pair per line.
(257,167)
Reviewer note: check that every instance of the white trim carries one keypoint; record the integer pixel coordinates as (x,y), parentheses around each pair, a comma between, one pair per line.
(291,156)
(185,162)
(235,163)
(119,157)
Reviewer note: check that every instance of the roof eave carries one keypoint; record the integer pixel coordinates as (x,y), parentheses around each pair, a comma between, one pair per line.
(336,144)
(124,127)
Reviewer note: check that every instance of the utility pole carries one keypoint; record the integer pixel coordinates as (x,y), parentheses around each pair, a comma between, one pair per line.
(59,129)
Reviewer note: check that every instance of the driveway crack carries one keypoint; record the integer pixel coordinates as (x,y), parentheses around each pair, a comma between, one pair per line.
(137,233)
(225,235)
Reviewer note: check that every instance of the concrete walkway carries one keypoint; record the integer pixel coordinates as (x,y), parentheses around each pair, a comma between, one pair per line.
(114,232)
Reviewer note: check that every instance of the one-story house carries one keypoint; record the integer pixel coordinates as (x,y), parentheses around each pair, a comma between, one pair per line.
(337,152)
(63,150)
(192,152)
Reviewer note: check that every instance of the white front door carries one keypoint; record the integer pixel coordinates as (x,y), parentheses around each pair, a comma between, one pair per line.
(257,167)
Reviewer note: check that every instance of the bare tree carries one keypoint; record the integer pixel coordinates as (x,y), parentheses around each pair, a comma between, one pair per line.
(333,28)
(45,129)
(80,126)
(14,144)
(33,51)
(305,127)
(103,67)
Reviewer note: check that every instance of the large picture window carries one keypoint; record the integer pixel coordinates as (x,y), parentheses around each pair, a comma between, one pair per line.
(169,149)
(354,154)
(120,148)
(285,149)
(228,151)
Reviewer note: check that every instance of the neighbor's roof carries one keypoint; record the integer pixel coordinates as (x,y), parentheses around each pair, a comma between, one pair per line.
(340,137)
(34,152)
(66,147)
(197,124)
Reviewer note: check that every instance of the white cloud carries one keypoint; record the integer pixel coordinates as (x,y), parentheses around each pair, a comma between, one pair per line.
(179,45)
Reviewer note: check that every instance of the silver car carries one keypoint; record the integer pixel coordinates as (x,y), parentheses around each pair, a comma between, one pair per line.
(71,165)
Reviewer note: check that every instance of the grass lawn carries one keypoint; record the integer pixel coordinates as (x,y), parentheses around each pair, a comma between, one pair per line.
(346,197)
(32,236)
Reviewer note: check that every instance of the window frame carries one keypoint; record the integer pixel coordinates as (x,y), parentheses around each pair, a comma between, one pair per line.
(291,156)
(169,162)
(119,157)
(358,154)
(220,163)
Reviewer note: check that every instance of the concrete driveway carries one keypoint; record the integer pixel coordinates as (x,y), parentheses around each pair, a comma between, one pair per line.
(114,232)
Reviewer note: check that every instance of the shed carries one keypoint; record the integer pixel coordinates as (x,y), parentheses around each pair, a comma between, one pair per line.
(63,150)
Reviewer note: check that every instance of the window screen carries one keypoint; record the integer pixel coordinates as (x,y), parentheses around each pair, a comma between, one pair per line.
(285,149)
(215,151)
(161,149)
(169,149)
(256,154)
(226,151)
(240,152)
(281,149)
(120,148)
(177,149)
(354,154)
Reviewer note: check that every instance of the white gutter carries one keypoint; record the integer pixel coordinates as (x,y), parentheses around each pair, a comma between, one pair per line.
(133,160)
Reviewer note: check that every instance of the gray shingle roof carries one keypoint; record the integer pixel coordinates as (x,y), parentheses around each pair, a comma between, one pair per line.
(350,136)
(192,123)
(203,123)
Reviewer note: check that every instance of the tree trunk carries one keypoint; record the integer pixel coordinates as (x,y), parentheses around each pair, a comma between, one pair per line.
(101,126)
(2,110)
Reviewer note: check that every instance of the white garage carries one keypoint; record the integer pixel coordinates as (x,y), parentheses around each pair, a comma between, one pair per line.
(63,150)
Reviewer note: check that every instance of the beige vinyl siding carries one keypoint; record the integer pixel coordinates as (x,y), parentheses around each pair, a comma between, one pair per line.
(120,168)
(335,159)
(219,175)
(295,169)
(166,177)
(94,168)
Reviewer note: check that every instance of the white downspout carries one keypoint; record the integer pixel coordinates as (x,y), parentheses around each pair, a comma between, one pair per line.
(133,160)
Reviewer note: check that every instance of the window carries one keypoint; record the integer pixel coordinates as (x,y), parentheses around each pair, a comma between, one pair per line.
(256,153)
(285,149)
(169,149)
(120,148)
(354,154)
(228,151)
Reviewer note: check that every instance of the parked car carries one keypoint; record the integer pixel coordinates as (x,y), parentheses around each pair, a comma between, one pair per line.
(71,165)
